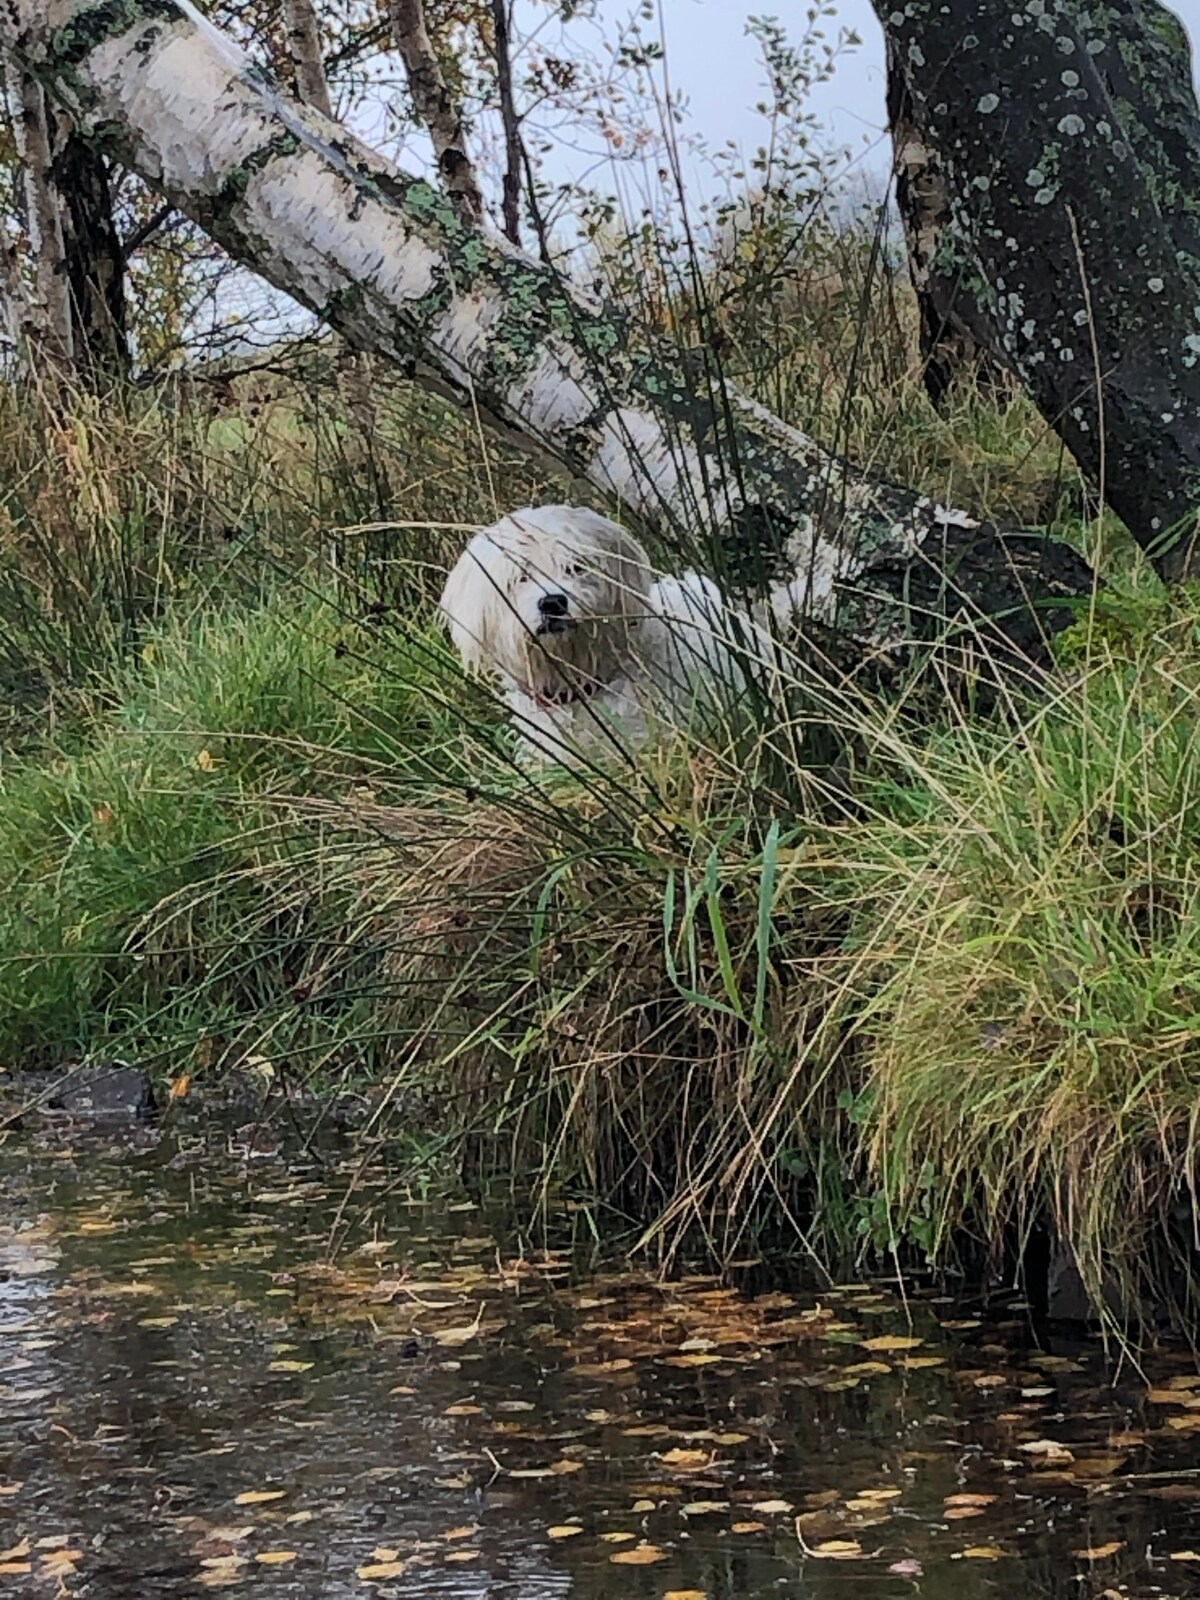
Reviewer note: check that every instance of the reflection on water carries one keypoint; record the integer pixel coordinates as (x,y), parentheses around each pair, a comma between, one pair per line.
(190,1400)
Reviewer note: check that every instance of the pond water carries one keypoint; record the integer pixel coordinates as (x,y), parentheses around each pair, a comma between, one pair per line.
(196,1393)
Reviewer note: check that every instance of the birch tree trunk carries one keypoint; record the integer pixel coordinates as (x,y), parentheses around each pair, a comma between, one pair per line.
(436,106)
(392,264)
(1069,137)
(304,48)
(47,332)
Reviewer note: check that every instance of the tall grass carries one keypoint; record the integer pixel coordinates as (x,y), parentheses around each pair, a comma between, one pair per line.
(876,984)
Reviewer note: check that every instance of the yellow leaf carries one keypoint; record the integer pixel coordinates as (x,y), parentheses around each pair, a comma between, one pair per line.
(15,1569)
(180,1086)
(686,1460)
(204,760)
(643,1555)
(617,1538)
(17,1553)
(380,1569)
(600,1369)
(11,1488)
(836,1550)
(705,1508)
(1099,1552)
(892,1341)
(466,1532)
(275,1558)
(565,1530)
(1185,1555)
(259,1497)
(983,1552)
(288,1366)
(978,1500)
(685,1594)
(749,1527)
(772,1508)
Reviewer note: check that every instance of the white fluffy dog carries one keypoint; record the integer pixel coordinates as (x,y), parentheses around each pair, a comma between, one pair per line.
(593,652)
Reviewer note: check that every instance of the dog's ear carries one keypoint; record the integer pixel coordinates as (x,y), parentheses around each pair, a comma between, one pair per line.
(631,574)
(468,600)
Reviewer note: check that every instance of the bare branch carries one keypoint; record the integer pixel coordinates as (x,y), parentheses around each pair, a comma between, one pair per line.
(513,148)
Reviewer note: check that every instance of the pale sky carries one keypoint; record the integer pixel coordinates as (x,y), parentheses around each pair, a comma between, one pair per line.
(711,58)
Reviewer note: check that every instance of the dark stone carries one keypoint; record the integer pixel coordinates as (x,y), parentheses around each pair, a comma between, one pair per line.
(106,1093)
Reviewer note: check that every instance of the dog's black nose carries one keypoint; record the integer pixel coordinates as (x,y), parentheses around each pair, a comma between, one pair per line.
(553,605)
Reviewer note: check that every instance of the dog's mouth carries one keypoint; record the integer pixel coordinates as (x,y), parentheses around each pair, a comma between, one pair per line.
(550,625)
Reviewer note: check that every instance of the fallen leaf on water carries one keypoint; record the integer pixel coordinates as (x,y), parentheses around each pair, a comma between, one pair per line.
(704,1508)
(377,1570)
(980,1500)
(1185,1555)
(835,1549)
(1189,1422)
(179,1087)
(749,1527)
(1047,1450)
(643,1555)
(463,1411)
(617,1538)
(17,1553)
(11,1488)
(1098,1466)
(983,1552)
(157,1322)
(462,1555)
(640,1507)
(600,1369)
(468,1531)
(685,1594)
(565,1530)
(15,1569)
(559,1469)
(686,1460)
(1099,1552)
(289,1366)
(259,1497)
(772,1508)
(892,1341)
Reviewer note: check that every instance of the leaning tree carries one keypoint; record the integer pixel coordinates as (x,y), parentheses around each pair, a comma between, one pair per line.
(398,268)
(1050,158)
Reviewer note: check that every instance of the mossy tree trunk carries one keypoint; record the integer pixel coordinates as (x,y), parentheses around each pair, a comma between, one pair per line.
(957,340)
(394,265)
(1068,141)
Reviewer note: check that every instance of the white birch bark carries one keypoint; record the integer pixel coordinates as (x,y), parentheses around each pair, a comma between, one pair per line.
(387,260)
(47,306)
(304,48)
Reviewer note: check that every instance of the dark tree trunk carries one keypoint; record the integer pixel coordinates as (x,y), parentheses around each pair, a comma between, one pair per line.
(95,261)
(1069,140)
(956,340)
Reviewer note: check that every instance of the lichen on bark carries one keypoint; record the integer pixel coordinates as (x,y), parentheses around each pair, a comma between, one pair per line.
(1070,139)
(393,265)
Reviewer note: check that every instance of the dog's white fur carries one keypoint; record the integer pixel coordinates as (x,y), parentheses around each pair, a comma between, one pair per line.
(592,650)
